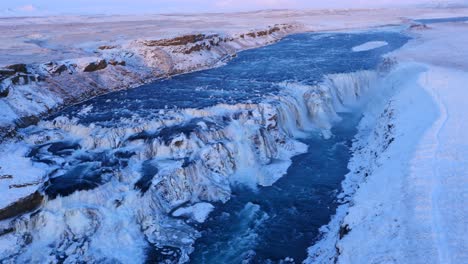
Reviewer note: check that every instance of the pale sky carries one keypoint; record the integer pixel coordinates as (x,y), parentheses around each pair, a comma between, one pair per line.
(167,6)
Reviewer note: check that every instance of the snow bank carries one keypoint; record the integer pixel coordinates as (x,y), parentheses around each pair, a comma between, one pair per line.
(403,200)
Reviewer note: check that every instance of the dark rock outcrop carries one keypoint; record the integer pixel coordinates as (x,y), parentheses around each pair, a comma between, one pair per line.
(18,68)
(95,66)
(251,34)
(178,41)
(4,90)
(419,27)
(344,230)
(27,121)
(115,63)
(106,47)
(60,69)
(5,73)
(24,205)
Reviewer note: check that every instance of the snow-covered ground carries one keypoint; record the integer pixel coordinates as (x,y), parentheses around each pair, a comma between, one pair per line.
(42,39)
(405,199)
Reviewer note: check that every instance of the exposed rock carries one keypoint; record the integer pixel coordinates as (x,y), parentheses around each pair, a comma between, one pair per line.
(251,34)
(273,30)
(22,185)
(106,47)
(6,231)
(27,121)
(344,230)
(262,33)
(197,47)
(20,79)
(93,66)
(5,73)
(24,205)
(60,69)
(178,41)
(18,68)
(419,27)
(4,90)
(115,63)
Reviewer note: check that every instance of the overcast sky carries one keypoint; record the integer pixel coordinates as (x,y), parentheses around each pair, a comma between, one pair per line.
(165,6)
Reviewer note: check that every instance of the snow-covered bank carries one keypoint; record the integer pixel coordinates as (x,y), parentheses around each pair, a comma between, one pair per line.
(146,182)
(30,91)
(404,200)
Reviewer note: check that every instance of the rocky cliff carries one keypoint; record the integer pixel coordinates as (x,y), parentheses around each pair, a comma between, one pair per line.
(31,91)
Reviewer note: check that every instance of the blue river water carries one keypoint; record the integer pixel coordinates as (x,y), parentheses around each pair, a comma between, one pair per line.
(442,20)
(249,77)
(269,224)
(272,223)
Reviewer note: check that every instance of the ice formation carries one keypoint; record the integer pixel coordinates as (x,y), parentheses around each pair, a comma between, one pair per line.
(137,182)
(370,46)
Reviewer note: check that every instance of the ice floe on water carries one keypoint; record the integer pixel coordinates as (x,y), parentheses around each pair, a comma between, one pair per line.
(370,46)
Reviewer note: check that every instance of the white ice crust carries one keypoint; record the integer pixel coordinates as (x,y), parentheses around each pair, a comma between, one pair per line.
(370,46)
(198,212)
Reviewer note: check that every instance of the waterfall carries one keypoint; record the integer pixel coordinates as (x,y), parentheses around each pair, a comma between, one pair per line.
(141,171)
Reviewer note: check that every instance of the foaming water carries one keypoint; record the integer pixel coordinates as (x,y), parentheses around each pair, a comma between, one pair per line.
(283,219)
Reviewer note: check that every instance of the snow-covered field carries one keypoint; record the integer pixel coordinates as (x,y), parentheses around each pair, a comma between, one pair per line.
(405,197)
(43,39)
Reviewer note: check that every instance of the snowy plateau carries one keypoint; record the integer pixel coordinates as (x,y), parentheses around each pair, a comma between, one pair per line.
(170,138)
